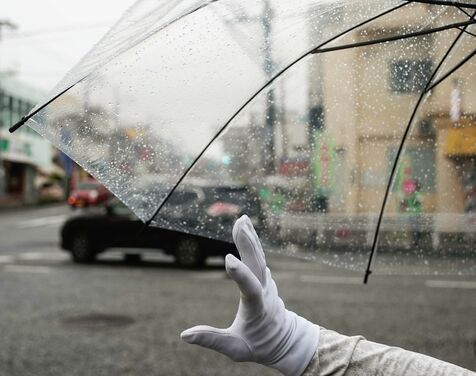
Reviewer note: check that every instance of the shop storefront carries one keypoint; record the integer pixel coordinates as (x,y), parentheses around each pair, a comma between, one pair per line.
(25,152)
(460,148)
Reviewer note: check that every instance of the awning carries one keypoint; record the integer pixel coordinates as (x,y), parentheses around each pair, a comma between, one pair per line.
(461,142)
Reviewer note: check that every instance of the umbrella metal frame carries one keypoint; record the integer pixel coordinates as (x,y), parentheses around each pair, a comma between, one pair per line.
(462,26)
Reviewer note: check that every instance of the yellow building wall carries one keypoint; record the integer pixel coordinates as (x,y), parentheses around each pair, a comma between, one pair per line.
(367,118)
(449,180)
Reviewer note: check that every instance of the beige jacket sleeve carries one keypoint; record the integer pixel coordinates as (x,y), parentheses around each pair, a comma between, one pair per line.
(339,355)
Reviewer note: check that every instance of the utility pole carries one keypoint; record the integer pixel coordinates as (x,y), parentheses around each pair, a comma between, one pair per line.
(271,115)
(7,24)
(264,20)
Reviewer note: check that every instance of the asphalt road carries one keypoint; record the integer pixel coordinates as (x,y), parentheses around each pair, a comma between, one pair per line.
(115,318)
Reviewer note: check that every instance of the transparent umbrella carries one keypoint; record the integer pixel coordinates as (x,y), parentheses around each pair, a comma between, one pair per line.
(339,126)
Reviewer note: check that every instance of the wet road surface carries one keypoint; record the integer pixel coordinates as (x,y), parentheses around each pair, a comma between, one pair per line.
(118,318)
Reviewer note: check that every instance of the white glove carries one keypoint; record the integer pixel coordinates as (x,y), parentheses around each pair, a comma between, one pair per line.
(263,331)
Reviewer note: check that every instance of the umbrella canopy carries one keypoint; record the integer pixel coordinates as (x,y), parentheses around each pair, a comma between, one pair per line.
(340,126)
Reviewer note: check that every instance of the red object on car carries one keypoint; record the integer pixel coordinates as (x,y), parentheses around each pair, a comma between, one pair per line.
(88,193)
(223,209)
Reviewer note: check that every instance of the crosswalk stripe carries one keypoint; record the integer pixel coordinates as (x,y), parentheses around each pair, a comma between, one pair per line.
(44,221)
(331,280)
(33,256)
(284,276)
(26,269)
(451,284)
(47,256)
(210,275)
(6,259)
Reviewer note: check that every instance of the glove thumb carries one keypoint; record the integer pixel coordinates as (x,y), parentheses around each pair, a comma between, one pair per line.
(221,340)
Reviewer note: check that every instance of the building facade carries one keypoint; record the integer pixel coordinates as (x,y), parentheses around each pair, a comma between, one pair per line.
(363,99)
(25,154)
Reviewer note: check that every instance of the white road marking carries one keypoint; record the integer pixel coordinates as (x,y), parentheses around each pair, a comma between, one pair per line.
(332,280)
(26,269)
(451,284)
(210,275)
(6,259)
(43,221)
(278,276)
(283,276)
(47,256)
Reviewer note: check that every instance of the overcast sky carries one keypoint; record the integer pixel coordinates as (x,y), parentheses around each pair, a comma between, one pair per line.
(205,65)
(52,35)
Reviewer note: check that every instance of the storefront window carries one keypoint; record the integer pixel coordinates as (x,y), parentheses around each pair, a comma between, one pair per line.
(469,180)
(417,166)
(409,76)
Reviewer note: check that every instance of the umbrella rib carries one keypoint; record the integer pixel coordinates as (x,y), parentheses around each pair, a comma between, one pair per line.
(368,270)
(468,32)
(222,129)
(395,37)
(463,11)
(25,118)
(451,71)
(447,3)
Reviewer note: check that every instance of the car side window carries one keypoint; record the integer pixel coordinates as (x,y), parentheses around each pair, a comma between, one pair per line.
(182,197)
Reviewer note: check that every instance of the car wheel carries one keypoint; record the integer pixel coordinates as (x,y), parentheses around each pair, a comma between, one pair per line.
(81,249)
(188,253)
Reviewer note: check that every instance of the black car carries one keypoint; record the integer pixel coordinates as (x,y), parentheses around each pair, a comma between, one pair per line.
(86,235)
(210,209)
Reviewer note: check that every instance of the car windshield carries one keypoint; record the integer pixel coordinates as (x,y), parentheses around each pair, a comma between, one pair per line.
(116,207)
(183,198)
(240,196)
(229,194)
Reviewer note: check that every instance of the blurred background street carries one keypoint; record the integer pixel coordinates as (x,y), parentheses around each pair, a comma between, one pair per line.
(124,318)
(337,150)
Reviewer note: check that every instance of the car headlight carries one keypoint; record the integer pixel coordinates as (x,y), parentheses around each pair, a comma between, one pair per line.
(93,195)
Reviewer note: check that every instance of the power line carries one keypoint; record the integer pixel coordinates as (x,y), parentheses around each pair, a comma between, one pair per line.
(65,29)
(51,53)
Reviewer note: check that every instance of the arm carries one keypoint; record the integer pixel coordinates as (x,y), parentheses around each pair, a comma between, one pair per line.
(339,355)
(265,332)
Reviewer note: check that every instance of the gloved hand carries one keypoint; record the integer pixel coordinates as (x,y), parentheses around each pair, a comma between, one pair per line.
(263,331)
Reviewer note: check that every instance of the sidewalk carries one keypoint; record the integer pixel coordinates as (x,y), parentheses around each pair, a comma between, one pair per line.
(13,203)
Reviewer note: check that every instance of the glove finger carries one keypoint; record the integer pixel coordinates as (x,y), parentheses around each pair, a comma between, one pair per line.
(255,239)
(206,336)
(249,247)
(220,340)
(247,282)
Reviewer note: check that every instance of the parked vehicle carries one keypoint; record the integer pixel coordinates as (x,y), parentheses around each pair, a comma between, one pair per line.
(51,192)
(227,203)
(217,206)
(89,193)
(87,235)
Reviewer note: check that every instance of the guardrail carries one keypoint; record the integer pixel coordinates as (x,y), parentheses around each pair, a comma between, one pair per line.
(342,227)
